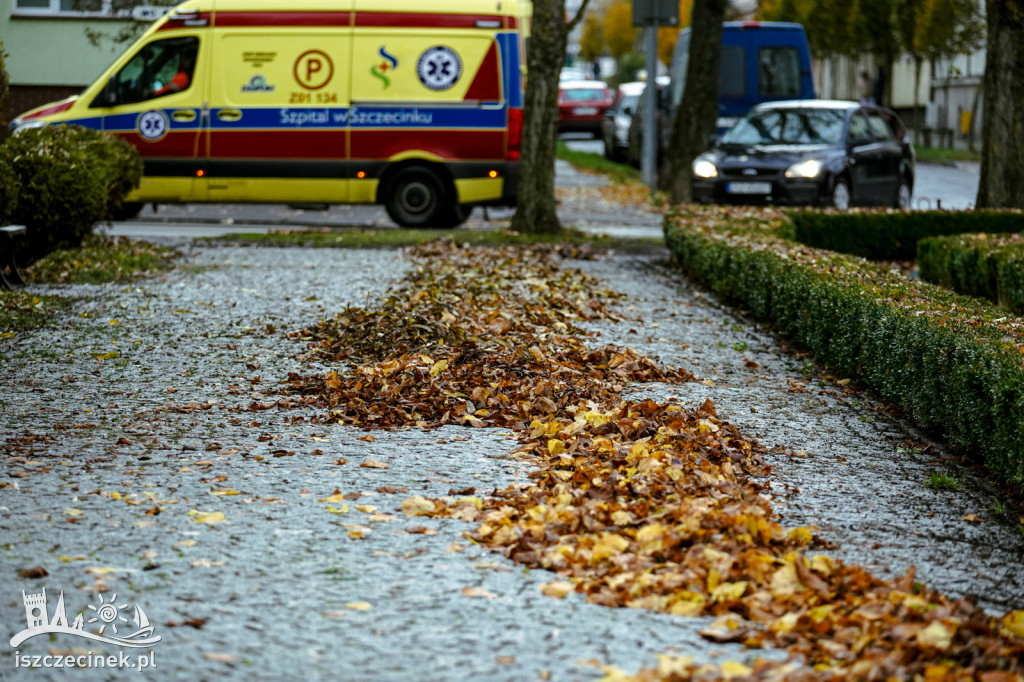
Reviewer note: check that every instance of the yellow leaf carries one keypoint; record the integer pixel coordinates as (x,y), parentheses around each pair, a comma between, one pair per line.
(651,537)
(936,635)
(115,495)
(209,518)
(609,545)
(101,570)
(785,581)
(803,535)
(439,366)
(731,669)
(358,606)
(373,464)
(73,512)
(417,506)
(343,509)
(556,447)
(558,589)
(69,559)
(334,499)
(1013,624)
(188,543)
(224,491)
(476,592)
(366,508)
(622,518)
(729,591)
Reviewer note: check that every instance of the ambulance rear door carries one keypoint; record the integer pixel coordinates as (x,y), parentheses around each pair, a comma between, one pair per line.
(278,129)
(155,99)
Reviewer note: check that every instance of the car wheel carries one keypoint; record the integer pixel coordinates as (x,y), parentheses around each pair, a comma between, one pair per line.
(902,200)
(415,197)
(841,194)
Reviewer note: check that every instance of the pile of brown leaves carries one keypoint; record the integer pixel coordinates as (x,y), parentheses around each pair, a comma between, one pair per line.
(637,504)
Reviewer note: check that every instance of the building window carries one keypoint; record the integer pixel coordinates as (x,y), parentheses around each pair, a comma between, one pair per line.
(108,8)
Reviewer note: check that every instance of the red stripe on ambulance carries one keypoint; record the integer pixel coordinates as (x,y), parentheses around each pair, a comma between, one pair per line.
(276,144)
(463,145)
(225,19)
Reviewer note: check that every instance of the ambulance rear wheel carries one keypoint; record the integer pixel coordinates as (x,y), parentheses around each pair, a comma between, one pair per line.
(416,197)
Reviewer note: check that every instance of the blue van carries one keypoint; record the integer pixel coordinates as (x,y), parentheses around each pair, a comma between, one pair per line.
(762,61)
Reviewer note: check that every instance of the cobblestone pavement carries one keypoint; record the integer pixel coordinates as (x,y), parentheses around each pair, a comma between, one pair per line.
(126,430)
(140,394)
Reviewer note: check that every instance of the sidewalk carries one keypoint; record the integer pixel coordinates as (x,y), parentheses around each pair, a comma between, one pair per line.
(146,455)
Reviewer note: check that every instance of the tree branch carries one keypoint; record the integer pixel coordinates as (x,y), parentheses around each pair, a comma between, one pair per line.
(579,15)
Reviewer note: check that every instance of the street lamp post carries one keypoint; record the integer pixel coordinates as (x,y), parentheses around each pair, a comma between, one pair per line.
(650,14)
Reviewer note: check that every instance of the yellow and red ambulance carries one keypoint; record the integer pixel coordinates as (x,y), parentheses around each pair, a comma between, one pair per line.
(417,106)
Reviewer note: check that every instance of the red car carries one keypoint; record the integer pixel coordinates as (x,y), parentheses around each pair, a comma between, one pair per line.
(581,106)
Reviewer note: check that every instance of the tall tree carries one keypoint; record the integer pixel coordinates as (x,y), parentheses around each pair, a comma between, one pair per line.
(697,113)
(535,197)
(1002,154)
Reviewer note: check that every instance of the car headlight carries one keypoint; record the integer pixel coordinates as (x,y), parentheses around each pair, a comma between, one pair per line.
(703,168)
(805,169)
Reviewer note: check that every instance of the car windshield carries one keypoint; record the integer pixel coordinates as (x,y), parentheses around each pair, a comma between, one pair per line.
(788,126)
(582,95)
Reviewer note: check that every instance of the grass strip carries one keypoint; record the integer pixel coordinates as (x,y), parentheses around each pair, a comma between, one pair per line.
(402,238)
(101,259)
(953,363)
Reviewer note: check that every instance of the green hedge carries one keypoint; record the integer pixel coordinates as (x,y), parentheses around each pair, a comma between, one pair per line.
(984,265)
(891,235)
(71,178)
(10,188)
(948,360)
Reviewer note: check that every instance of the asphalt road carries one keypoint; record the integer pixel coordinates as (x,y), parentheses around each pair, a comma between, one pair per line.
(937,186)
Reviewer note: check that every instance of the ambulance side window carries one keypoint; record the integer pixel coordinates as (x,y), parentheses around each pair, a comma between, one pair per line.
(160,68)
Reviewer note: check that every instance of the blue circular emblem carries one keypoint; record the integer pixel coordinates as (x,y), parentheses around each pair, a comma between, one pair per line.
(152,125)
(439,68)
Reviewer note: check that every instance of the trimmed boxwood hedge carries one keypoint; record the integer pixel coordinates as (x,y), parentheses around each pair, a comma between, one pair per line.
(891,235)
(953,363)
(985,265)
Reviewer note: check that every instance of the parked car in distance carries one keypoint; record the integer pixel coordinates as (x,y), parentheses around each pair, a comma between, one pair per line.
(581,106)
(827,152)
(635,128)
(615,124)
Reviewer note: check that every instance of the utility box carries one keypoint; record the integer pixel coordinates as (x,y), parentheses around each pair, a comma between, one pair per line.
(655,12)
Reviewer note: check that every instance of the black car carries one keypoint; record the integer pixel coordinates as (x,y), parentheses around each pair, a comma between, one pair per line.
(810,152)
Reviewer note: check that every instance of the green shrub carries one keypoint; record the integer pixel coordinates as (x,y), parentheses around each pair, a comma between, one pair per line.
(70,178)
(953,363)
(10,188)
(983,265)
(891,235)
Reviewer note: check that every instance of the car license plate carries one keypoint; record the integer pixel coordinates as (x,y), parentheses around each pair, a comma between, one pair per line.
(585,111)
(749,188)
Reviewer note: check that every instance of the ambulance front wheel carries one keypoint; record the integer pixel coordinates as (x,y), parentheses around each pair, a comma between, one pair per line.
(416,197)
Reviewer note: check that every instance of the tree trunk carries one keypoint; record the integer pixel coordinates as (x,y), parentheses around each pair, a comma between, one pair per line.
(535,196)
(697,116)
(1002,155)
